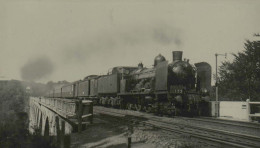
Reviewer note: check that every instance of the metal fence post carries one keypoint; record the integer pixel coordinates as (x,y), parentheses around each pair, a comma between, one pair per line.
(91,112)
(248,109)
(79,115)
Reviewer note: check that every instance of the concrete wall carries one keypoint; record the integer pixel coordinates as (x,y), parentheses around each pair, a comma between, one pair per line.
(235,110)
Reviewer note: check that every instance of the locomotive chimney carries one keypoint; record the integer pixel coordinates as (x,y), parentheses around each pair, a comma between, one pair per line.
(140,65)
(176,56)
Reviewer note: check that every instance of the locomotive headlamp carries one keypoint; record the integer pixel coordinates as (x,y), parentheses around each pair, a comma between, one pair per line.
(204,92)
(178,98)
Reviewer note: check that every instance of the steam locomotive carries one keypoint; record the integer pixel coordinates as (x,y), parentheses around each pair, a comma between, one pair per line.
(175,88)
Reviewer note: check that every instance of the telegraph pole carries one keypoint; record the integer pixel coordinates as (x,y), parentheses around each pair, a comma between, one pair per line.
(217,102)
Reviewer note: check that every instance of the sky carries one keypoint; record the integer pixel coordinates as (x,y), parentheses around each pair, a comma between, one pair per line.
(54,40)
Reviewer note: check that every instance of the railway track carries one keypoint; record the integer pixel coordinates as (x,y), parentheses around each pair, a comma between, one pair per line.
(255,126)
(210,137)
(246,128)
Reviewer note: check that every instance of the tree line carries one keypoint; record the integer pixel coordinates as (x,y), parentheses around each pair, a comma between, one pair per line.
(14,120)
(240,78)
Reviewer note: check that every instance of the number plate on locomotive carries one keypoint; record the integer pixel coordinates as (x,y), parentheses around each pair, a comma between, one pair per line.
(177,89)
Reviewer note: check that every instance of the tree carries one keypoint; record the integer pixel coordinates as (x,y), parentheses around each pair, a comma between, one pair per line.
(241,78)
(14,120)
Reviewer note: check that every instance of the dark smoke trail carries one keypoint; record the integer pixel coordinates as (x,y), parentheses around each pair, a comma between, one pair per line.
(37,69)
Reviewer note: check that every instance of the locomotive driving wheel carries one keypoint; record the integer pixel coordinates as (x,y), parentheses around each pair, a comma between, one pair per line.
(138,107)
(148,109)
(129,106)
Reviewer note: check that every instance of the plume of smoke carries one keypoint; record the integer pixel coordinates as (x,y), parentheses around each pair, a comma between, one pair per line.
(167,35)
(37,69)
(161,34)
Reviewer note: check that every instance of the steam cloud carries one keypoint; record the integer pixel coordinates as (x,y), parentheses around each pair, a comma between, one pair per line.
(37,69)
(161,34)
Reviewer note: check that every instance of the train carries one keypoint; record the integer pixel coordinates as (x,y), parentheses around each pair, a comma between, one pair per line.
(174,88)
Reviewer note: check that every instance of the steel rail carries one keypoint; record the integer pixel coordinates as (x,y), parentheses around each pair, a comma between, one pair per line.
(240,140)
(227,122)
(217,136)
(200,136)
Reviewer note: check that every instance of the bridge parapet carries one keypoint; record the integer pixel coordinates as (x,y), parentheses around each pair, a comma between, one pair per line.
(65,108)
(74,110)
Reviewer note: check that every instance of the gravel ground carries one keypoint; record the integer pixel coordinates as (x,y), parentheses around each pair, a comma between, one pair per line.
(205,124)
(113,133)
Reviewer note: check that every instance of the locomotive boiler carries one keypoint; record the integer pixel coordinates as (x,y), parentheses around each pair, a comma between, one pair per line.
(175,88)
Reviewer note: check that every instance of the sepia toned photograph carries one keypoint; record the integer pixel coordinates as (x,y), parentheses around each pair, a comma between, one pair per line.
(129,74)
